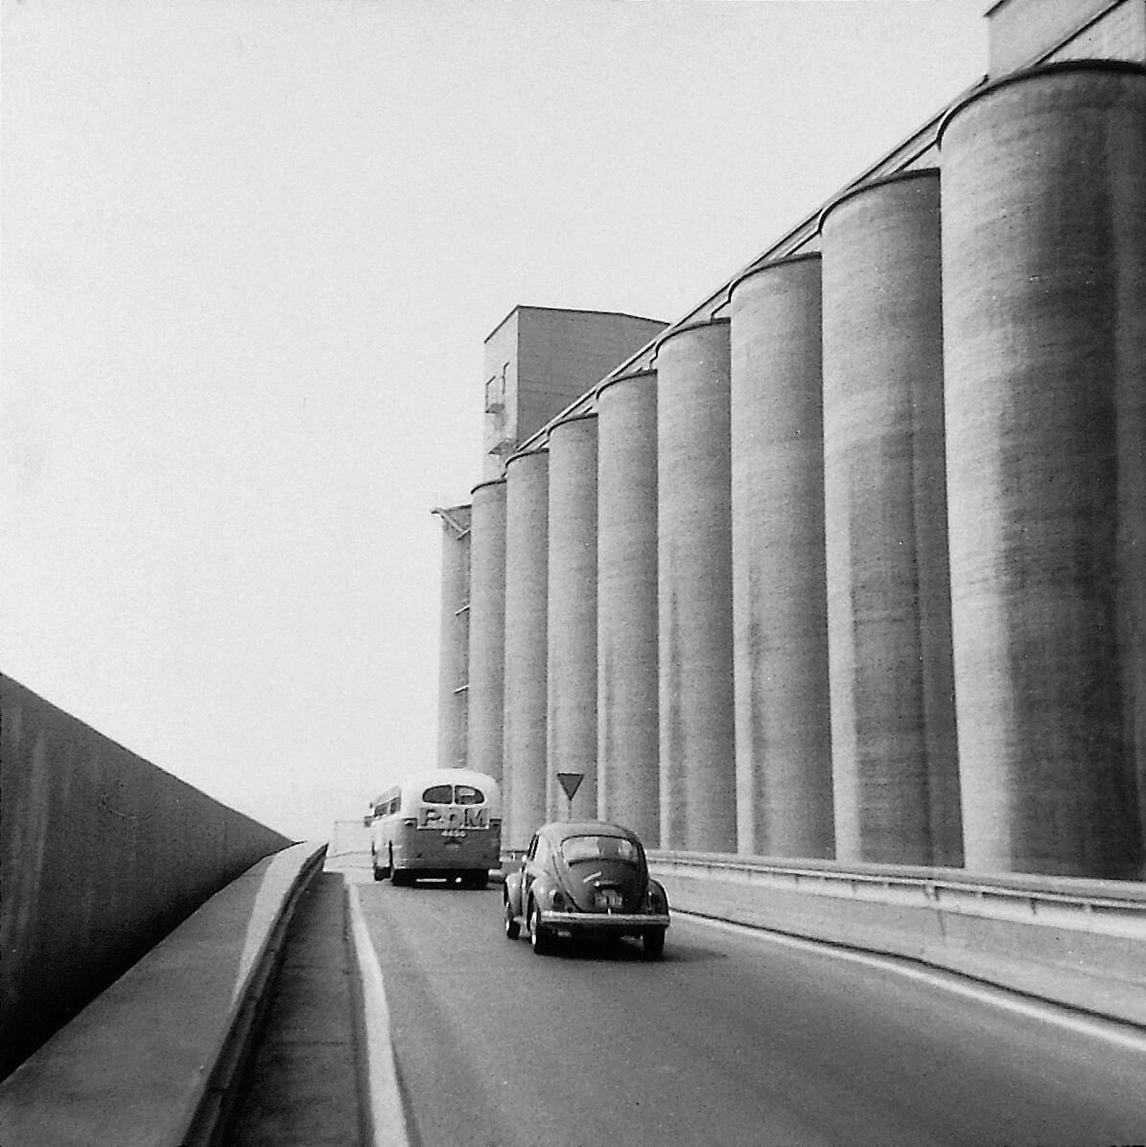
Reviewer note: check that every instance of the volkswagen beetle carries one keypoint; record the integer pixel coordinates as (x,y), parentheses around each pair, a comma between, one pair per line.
(585,878)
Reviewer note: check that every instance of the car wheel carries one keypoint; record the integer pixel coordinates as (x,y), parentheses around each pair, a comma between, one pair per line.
(512,927)
(475,878)
(538,934)
(654,943)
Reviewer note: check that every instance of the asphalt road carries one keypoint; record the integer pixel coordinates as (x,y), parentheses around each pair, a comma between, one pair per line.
(731,1039)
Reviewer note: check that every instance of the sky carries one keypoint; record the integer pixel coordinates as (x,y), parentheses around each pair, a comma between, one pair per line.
(249,253)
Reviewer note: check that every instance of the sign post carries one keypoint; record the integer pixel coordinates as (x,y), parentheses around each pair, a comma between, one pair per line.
(570,782)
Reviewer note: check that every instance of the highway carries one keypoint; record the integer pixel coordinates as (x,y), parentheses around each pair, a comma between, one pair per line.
(733,1038)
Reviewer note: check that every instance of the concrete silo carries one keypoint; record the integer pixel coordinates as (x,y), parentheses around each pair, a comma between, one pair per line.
(526,646)
(572,626)
(894,755)
(1044,297)
(783,721)
(453,643)
(487,628)
(694,550)
(628,772)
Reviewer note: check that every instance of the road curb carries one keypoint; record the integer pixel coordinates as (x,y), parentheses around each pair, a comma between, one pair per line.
(387,1118)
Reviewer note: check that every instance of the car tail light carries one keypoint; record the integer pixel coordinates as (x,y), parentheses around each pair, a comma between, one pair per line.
(559,900)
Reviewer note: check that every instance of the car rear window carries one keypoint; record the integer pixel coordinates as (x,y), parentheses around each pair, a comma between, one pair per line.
(467,794)
(575,848)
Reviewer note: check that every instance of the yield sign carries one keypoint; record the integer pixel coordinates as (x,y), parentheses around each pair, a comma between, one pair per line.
(570,782)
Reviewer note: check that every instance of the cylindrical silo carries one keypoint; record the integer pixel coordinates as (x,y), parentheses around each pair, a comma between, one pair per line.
(628,770)
(526,646)
(572,628)
(694,549)
(1044,251)
(894,755)
(487,628)
(783,718)
(453,638)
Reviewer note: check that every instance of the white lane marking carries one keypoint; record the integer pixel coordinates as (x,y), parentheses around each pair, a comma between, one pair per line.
(1047,1011)
(387,1119)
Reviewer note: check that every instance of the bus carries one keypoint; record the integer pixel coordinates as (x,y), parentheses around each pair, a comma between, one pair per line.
(441,822)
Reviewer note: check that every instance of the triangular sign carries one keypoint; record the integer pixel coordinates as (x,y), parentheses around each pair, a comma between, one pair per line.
(570,782)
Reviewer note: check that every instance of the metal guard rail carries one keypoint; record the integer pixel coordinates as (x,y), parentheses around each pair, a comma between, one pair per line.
(954,886)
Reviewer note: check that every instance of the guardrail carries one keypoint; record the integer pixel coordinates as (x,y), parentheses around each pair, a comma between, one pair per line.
(1076,942)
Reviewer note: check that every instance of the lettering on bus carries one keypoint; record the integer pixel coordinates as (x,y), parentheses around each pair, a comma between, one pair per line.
(451,818)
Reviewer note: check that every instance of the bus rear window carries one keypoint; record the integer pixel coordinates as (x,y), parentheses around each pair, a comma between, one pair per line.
(453,794)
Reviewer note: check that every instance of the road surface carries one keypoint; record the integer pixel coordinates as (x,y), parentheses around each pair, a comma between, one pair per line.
(732,1038)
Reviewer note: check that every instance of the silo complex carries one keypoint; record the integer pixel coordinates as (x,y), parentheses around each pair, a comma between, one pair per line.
(892,715)
(783,731)
(453,644)
(850,561)
(572,625)
(1044,250)
(628,774)
(694,558)
(487,628)
(526,644)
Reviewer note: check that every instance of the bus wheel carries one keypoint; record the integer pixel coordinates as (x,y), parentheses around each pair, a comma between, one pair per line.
(379,873)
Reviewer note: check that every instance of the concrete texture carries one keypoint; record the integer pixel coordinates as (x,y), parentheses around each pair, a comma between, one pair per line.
(486,692)
(628,772)
(526,645)
(783,720)
(101,855)
(572,625)
(1044,252)
(894,755)
(454,638)
(132,1069)
(694,558)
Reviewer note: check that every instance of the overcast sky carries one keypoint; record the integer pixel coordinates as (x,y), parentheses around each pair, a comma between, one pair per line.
(250,253)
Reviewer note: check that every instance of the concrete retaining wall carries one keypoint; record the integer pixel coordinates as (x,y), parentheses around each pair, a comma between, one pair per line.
(1077,942)
(101,855)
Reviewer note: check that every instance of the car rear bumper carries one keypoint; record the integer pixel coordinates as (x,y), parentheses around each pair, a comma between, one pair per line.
(596,920)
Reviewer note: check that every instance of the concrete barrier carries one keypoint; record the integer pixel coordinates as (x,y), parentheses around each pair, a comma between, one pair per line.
(152,1060)
(101,855)
(1077,942)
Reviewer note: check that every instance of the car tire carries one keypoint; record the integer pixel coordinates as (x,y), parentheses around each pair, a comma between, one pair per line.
(477,878)
(653,941)
(539,937)
(512,927)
